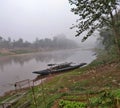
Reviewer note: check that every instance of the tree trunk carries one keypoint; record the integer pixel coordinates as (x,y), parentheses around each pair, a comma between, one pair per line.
(117,39)
(115,31)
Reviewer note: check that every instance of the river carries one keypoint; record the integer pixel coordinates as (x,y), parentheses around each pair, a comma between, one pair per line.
(20,67)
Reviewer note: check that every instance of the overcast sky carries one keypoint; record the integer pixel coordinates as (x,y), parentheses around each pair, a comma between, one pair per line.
(29,19)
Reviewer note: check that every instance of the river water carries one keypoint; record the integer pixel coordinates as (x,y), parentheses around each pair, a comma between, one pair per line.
(20,67)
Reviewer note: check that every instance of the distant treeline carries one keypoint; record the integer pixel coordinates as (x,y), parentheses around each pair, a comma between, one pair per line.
(58,42)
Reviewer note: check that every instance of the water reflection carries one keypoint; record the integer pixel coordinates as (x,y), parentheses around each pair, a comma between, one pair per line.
(55,56)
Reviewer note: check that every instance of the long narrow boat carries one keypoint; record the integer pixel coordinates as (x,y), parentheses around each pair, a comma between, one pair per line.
(57,70)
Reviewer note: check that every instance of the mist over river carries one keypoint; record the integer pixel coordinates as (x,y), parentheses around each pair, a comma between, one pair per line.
(20,67)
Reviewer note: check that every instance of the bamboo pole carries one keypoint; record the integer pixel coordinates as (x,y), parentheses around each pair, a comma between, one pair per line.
(33,93)
(43,94)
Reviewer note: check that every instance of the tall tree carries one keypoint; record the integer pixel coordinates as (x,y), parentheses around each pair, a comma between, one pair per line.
(94,14)
(1,38)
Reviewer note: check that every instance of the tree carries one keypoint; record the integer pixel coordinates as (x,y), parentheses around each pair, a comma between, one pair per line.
(18,43)
(94,14)
(107,38)
(1,38)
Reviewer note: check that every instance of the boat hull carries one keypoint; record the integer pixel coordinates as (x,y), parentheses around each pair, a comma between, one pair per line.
(50,71)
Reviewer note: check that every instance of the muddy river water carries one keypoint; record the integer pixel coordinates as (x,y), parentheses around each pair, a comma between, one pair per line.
(20,67)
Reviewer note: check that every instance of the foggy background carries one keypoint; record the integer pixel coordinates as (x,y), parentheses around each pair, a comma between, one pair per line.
(29,19)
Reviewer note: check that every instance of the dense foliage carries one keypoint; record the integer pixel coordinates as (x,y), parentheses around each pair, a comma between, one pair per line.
(93,14)
(58,42)
(107,39)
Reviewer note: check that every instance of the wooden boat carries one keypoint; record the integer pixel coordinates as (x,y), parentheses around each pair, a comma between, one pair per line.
(58,69)
(59,66)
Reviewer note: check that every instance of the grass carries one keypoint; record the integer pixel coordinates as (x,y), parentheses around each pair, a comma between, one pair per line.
(17,51)
(21,51)
(4,54)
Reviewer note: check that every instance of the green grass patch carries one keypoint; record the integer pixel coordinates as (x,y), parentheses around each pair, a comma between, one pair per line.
(21,51)
(4,54)
(71,104)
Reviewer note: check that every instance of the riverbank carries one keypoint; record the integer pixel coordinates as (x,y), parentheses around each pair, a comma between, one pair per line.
(90,81)
(91,86)
(9,52)
(18,51)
